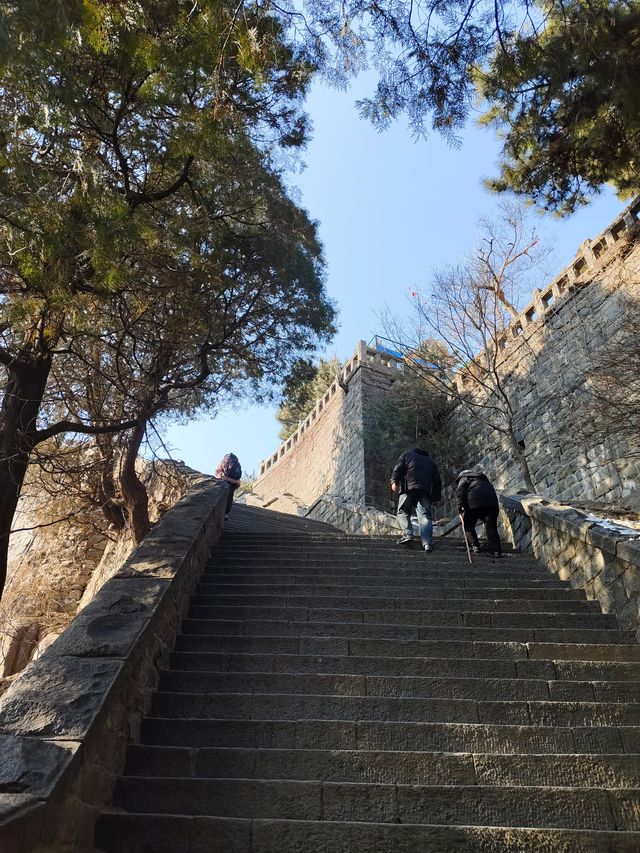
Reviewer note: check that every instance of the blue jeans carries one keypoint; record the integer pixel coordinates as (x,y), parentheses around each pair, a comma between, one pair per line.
(421,503)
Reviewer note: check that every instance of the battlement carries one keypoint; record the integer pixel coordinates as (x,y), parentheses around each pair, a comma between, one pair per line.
(586,258)
(364,354)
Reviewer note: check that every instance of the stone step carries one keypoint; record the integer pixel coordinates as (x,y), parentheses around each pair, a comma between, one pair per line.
(221,627)
(347,544)
(409,617)
(390,767)
(365,647)
(426,589)
(556,603)
(132,833)
(276,706)
(362,665)
(492,689)
(387,579)
(390,736)
(481,805)
(421,568)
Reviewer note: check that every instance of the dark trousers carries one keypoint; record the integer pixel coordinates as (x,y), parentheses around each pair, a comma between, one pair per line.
(489,517)
(230,491)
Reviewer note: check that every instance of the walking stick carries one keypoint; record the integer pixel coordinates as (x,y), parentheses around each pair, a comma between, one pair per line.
(466,541)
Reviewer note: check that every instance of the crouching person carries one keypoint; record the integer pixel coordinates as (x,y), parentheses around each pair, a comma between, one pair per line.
(478,501)
(230,471)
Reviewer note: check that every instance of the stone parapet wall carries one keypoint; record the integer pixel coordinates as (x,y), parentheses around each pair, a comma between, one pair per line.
(351,517)
(67,719)
(592,557)
(369,521)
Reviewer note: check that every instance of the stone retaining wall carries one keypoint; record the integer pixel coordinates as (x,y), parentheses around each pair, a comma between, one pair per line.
(605,564)
(56,567)
(66,721)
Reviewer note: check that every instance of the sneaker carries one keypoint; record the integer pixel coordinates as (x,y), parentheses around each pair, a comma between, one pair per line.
(475,549)
(428,549)
(226,516)
(405,540)
(495,555)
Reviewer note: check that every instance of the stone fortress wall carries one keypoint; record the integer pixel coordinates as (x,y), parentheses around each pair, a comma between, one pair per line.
(547,350)
(326,454)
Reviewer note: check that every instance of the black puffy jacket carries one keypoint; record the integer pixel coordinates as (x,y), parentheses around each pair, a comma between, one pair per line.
(415,471)
(474,491)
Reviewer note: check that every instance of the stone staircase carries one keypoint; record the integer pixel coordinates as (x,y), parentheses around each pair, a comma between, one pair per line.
(335,693)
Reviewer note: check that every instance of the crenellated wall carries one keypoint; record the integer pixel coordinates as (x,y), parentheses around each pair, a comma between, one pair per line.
(547,352)
(548,370)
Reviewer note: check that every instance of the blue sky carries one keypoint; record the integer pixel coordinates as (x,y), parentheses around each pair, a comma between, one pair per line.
(391,210)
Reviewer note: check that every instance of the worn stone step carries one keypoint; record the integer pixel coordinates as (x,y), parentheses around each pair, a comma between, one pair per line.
(486,688)
(503,601)
(502,619)
(470,588)
(390,767)
(346,801)
(386,735)
(363,665)
(220,627)
(275,706)
(386,575)
(360,685)
(138,833)
(364,647)
(265,566)
(322,765)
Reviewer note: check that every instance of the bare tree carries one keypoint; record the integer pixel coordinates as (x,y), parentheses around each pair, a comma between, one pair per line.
(467,311)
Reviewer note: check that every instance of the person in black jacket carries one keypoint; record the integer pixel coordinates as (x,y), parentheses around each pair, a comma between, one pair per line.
(478,501)
(417,480)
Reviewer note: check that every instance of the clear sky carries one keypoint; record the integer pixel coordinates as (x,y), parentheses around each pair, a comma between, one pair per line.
(391,210)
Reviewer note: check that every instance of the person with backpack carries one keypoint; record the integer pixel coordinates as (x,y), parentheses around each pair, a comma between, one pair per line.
(229,470)
(417,480)
(478,501)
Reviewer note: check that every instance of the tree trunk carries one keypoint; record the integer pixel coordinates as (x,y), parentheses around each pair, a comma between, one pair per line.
(111,509)
(521,459)
(133,491)
(18,416)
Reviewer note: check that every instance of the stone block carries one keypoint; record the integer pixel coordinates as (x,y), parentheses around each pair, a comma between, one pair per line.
(111,625)
(629,551)
(58,696)
(32,766)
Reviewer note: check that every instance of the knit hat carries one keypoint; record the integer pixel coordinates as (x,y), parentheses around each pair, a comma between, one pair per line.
(466,473)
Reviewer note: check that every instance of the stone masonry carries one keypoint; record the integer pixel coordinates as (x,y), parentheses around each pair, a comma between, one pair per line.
(338,694)
(55,569)
(326,454)
(548,350)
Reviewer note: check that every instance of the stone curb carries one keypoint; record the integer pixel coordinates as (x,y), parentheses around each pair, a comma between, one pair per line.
(66,721)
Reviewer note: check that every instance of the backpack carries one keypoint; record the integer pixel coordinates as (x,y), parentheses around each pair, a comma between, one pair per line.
(231,466)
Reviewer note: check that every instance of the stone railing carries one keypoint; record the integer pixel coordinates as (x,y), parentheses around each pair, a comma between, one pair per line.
(591,555)
(363,354)
(67,719)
